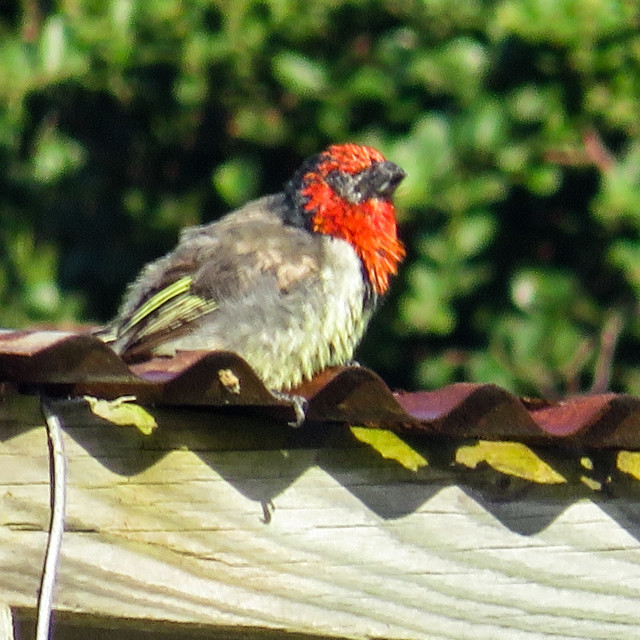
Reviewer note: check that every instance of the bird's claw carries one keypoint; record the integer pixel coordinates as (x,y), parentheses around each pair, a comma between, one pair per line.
(299,404)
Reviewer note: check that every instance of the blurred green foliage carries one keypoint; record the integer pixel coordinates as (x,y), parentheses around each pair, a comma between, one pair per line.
(517,121)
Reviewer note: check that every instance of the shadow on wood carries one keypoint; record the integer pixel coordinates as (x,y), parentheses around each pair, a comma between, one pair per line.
(168,533)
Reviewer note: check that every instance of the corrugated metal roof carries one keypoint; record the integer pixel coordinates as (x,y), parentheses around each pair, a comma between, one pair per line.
(66,363)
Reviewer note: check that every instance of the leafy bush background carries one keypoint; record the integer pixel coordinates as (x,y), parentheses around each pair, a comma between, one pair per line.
(517,121)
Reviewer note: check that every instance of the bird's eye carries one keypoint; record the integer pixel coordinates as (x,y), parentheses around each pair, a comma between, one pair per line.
(346,185)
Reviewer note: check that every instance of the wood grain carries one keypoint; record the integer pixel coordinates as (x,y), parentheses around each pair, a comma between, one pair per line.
(235,524)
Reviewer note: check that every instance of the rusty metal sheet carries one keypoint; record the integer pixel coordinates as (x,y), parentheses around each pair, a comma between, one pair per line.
(68,363)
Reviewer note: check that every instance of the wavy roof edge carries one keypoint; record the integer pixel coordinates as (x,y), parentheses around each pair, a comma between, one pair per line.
(71,363)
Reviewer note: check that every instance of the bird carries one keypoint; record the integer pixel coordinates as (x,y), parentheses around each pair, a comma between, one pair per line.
(288,281)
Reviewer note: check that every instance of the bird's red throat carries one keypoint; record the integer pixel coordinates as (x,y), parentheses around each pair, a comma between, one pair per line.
(369,226)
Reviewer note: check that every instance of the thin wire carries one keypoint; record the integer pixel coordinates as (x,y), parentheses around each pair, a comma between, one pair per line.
(58,474)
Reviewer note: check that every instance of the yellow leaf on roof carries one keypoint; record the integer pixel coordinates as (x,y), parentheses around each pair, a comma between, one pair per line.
(511,458)
(629,462)
(390,446)
(123,412)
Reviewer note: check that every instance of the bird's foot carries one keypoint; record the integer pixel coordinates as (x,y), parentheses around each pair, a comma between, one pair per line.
(299,404)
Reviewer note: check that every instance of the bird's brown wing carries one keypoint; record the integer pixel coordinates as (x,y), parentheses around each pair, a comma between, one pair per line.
(168,310)
(211,266)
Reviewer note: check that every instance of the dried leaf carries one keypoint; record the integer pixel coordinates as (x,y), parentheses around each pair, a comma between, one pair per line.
(591,483)
(123,412)
(390,446)
(229,380)
(511,458)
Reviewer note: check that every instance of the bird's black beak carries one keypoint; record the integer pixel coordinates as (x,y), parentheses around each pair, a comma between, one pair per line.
(384,178)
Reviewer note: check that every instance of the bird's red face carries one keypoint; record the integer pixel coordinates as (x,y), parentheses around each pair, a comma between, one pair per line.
(347,191)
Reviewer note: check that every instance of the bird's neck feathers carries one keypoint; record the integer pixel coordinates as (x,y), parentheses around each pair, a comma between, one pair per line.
(345,192)
(369,227)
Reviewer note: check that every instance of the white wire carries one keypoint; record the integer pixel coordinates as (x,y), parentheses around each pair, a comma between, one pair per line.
(58,476)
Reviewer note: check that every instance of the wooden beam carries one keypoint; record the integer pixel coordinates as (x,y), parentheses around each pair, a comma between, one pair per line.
(6,622)
(231,524)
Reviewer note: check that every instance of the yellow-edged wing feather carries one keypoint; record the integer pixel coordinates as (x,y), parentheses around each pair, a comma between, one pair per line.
(166,310)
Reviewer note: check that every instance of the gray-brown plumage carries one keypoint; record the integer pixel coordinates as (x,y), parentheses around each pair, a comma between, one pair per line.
(288,282)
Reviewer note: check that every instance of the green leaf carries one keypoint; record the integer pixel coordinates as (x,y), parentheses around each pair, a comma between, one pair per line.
(56,156)
(426,307)
(299,74)
(474,234)
(237,180)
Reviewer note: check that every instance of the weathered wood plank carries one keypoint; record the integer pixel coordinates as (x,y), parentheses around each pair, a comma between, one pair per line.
(6,622)
(172,528)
